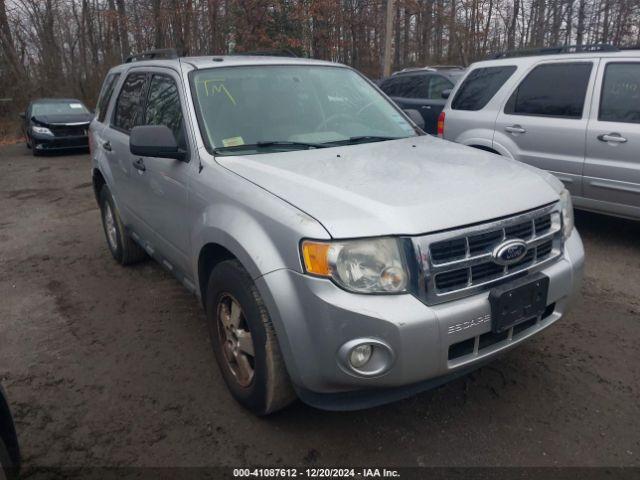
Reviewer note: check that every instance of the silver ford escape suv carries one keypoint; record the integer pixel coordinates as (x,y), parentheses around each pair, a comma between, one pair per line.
(573,111)
(342,255)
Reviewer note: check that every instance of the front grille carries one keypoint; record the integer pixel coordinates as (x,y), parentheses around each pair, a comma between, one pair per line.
(69,130)
(460,262)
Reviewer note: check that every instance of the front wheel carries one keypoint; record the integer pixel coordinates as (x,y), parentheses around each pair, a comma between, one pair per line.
(244,341)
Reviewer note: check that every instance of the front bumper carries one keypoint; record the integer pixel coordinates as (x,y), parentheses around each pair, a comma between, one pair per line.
(44,143)
(313,318)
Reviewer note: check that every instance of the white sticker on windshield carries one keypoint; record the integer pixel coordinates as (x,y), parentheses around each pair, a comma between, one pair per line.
(75,105)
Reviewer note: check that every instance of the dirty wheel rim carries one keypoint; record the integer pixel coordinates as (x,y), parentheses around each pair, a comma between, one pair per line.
(235,340)
(110,227)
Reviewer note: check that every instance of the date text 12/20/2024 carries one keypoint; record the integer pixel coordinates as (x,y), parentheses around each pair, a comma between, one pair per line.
(315,473)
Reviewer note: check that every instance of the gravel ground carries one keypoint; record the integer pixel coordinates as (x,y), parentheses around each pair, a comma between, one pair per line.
(111,366)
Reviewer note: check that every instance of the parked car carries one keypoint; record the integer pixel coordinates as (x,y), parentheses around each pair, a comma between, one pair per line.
(424,90)
(573,111)
(341,254)
(51,124)
(9,449)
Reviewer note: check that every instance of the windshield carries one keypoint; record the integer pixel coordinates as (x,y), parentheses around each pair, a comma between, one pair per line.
(256,109)
(58,108)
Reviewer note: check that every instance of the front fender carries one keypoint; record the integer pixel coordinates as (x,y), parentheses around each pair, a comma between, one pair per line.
(261,230)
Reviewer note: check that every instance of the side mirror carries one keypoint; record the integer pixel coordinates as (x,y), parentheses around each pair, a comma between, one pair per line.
(416,117)
(445,93)
(155,141)
(23,115)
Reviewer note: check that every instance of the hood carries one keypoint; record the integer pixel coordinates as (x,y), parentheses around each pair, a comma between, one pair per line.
(400,187)
(47,120)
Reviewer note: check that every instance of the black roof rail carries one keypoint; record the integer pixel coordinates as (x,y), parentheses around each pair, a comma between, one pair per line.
(165,53)
(447,67)
(284,52)
(528,52)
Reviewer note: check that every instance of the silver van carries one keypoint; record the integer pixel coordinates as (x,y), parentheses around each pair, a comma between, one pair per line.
(576,115)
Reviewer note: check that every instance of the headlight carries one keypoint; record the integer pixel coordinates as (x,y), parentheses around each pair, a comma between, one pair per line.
(567,213)
(362,266)
(41,130)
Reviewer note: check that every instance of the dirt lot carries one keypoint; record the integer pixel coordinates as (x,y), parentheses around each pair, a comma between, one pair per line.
(106,365)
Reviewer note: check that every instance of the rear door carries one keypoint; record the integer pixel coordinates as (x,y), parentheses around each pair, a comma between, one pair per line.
(97,138)
(612,167)
(544,120)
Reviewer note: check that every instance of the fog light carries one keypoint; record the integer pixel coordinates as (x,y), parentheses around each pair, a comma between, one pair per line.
(365,357)
(360,355)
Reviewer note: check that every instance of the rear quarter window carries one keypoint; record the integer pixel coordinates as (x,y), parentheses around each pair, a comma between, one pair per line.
(480,86)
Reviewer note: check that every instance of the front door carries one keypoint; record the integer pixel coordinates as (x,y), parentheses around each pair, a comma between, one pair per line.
(127,113)
(163,183)
(543,123)
(612,167)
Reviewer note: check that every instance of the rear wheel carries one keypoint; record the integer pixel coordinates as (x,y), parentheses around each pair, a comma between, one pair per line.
(244,341)
(123,248)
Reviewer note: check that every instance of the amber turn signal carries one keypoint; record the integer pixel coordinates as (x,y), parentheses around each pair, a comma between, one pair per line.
(315,255)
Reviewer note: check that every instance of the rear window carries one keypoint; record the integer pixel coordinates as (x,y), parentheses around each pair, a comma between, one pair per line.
(552,90)
(480,86)
(620,100)
(105,95)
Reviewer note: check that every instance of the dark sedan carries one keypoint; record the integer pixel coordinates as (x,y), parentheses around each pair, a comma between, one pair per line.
(56,124)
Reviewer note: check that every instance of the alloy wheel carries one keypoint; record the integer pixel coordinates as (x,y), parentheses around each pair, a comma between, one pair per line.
(236,340)
(110,226)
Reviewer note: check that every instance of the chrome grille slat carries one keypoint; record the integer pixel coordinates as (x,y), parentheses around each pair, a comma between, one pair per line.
(463,264)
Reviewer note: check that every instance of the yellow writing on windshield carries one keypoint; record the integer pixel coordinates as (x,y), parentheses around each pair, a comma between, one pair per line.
(214,86)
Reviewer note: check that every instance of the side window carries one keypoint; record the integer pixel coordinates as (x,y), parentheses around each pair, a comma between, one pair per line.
(415,86)
(105,95)
(128,110)
(163,106)
(437,85)
(480,86)
(552,90)
(620,99)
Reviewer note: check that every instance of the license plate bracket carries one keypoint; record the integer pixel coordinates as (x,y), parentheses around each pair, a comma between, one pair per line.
(518,301)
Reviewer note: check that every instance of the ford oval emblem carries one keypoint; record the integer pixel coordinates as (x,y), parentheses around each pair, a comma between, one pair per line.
(510,252)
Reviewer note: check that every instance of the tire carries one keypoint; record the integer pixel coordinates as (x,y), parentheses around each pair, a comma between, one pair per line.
(268,388)
(123,248)
(8,470)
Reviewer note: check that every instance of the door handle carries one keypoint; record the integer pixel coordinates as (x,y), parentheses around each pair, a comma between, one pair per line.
(107,146)
(139,165)
(428,107)
(612,137)
(515,129)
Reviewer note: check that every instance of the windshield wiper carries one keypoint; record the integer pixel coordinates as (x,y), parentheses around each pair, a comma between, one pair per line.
(363,139)
(270,143)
